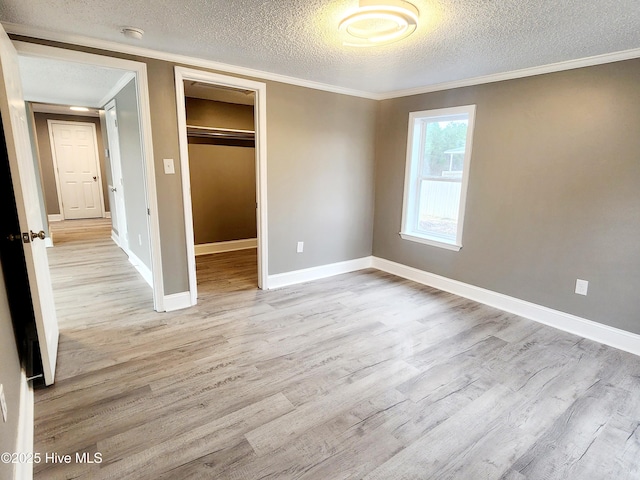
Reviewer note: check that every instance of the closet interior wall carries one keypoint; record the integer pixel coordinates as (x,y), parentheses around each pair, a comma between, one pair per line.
(222,171)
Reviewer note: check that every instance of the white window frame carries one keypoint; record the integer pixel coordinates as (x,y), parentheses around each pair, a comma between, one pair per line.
(410,202)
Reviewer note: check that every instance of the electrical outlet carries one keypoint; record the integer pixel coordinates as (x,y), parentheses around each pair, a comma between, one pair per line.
(300,247)
(581,287)
(3,403)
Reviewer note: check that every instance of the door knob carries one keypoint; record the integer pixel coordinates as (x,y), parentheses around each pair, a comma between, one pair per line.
(41,235)
(95,179)
(114,189)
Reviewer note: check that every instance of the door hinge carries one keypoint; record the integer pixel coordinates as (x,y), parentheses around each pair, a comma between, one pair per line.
(148,211)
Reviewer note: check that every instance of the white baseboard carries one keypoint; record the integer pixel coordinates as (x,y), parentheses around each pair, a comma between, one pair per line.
(141,268)
(55,217)
(24,443)
(315,273)
(107,215)
(614,337)
(177,301)
(230,246)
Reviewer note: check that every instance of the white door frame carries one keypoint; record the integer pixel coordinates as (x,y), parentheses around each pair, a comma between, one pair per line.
(54,156)
(260,120)
(121,214)
(142,85)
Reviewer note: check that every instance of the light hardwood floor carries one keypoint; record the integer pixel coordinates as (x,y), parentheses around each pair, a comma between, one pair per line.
(363,375)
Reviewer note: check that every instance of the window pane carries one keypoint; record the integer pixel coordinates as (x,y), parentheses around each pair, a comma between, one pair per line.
(438,208)
(444,147)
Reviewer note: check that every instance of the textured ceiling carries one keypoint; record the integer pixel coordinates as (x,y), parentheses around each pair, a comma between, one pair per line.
(455,40)
(66,83)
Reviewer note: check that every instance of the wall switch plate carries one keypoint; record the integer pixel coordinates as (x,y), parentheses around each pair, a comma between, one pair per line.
(3,403)
(140,240)
(300,247)
(581,287)
(169,168)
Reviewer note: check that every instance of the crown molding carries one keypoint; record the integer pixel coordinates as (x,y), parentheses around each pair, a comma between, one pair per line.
(522,73)
(80,40)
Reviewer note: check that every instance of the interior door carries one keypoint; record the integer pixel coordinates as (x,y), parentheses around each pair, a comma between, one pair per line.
(117,188)
(75,153)
(14,120)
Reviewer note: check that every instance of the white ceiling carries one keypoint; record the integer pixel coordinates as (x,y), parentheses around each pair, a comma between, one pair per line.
(66,83)
(455,40)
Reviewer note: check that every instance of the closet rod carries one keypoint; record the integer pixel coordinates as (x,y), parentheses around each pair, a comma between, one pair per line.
(221,133)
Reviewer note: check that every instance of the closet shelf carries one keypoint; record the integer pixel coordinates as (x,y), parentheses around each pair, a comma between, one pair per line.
(220,133)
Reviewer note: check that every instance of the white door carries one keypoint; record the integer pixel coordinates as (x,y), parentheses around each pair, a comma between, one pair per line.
(119,220)
(75,155)
(14,122)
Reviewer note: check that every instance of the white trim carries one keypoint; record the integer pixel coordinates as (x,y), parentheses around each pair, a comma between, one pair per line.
(54,156)
(116,240)
(107,214)
(48,242)
(52,146)
(316,273)
(115,164)
(24,443)
(428,241)
(260,115)
(177,301)
(522,73)
(140,69)
(229,246)
(123,82)
(35,32)
(614,337)
(142,269)
(416,137)
(55,217)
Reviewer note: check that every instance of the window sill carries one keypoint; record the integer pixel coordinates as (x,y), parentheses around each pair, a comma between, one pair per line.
(432,242)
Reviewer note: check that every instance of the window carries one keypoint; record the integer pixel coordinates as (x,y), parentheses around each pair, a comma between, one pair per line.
(437,171)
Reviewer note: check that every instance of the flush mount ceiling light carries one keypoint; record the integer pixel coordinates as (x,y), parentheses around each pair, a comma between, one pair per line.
(378,22)
(133,32)
(79,109)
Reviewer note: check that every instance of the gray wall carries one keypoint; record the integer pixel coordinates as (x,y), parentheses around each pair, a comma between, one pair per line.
(10,379)
(554,190)
(164,123)
(223,192)
(223,178)
(210,113)
(46,157)
(320,175)
(133,172)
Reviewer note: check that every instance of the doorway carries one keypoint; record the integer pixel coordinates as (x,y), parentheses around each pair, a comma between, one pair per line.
(258,92)
(133,79)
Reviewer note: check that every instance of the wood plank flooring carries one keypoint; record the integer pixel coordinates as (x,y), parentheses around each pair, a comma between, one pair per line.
(359,376)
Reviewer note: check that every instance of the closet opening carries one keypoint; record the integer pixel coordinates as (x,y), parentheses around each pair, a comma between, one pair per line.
(221,144)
